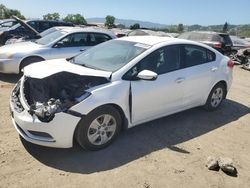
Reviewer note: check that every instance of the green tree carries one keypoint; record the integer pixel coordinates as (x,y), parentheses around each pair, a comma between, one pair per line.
(225,28)
(110,21)
(135,26)
(52,16)
(76,19)
(180,28)
(6,13)
(2,11)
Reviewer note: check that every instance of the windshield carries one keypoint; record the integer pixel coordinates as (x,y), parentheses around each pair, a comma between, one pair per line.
(47,39)
(111,55)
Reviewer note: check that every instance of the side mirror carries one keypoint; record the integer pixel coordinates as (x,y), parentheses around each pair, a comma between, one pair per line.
(147,75)
(59,44)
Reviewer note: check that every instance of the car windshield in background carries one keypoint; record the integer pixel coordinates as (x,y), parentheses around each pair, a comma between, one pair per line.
(111,55)
(47,39)
(48,31)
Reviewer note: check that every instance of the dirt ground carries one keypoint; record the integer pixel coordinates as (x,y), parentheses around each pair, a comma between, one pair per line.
(169,152)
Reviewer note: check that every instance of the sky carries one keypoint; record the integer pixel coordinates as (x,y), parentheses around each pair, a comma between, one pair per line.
(188,12)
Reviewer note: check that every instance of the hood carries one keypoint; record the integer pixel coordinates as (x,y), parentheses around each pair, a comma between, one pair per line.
(26,26)
(47,68)
(18,48)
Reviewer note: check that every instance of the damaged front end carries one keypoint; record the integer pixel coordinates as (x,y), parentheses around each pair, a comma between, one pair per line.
(57,93)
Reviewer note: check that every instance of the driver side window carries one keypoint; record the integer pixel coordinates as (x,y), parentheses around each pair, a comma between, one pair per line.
(161,61)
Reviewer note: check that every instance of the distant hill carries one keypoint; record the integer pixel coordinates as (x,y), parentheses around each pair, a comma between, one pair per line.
(128,23)
(242,30)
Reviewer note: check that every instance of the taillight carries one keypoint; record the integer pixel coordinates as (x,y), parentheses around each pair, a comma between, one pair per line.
(217,45)
(230,64)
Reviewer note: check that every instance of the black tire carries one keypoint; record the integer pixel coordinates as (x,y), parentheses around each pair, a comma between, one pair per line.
(28,61)
(83,127)
(210,101)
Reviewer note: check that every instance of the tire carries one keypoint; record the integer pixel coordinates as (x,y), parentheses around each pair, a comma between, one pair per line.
(215,97)
(29,61)
(93,132)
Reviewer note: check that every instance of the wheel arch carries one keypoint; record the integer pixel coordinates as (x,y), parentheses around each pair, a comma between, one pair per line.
(224,83)
(28,57)
(117,107)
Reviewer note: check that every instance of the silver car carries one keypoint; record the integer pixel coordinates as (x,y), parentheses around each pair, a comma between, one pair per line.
(64,43)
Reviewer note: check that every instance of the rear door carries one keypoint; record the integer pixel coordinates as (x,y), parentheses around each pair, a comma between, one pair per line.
(200,68)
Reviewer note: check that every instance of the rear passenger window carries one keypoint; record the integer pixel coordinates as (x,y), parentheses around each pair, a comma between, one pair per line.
(97,38)
(210,56)
(196,55)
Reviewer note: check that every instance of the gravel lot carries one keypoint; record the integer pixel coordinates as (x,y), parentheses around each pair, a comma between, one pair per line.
(168,152)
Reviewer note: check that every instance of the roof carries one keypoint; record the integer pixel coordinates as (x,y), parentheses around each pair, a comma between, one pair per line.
(149,40)
(153,40)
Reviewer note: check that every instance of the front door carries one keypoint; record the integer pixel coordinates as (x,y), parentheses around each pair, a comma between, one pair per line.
(70,46)
(153,99)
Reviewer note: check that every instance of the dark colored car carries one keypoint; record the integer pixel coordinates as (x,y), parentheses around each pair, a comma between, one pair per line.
(7,23)
(219,41)
(30,29)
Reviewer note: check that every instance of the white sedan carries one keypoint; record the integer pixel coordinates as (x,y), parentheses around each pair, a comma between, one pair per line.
(119,83)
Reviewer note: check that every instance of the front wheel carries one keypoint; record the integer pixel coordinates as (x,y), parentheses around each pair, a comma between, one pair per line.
(215,97)
(99,128)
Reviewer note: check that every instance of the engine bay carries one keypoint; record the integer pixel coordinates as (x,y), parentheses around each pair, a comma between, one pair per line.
(57,93)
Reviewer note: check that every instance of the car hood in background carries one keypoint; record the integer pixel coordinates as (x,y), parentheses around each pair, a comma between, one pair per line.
(21,47)
(47,68)
(25,25)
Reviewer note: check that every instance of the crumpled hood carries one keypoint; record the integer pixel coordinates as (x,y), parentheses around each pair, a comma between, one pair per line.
(47,68)
(17,48)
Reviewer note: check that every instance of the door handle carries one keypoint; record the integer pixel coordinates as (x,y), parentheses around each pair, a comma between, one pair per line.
(214,69)
(179,80)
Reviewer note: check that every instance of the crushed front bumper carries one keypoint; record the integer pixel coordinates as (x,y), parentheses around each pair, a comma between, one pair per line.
(57,133)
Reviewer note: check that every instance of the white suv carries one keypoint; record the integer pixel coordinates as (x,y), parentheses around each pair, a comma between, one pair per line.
(120,83)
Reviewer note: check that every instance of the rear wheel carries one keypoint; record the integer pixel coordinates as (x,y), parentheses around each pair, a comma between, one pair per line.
(29,61)
(99,128)
(215,97)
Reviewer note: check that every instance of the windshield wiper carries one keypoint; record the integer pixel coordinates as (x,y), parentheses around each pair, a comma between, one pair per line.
(71,59)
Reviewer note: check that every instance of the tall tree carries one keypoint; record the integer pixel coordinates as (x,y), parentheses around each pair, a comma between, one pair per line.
(76,19)
(180,28)
(52,16)
(110,21)
(225,28)
(135,26)
(6,13)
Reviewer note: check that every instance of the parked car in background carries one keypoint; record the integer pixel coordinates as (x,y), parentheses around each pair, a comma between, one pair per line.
(42,34)
(7,23)
(239,43)
(219,41)
(63,43)
(147,32)
(120,83)
(30,29)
